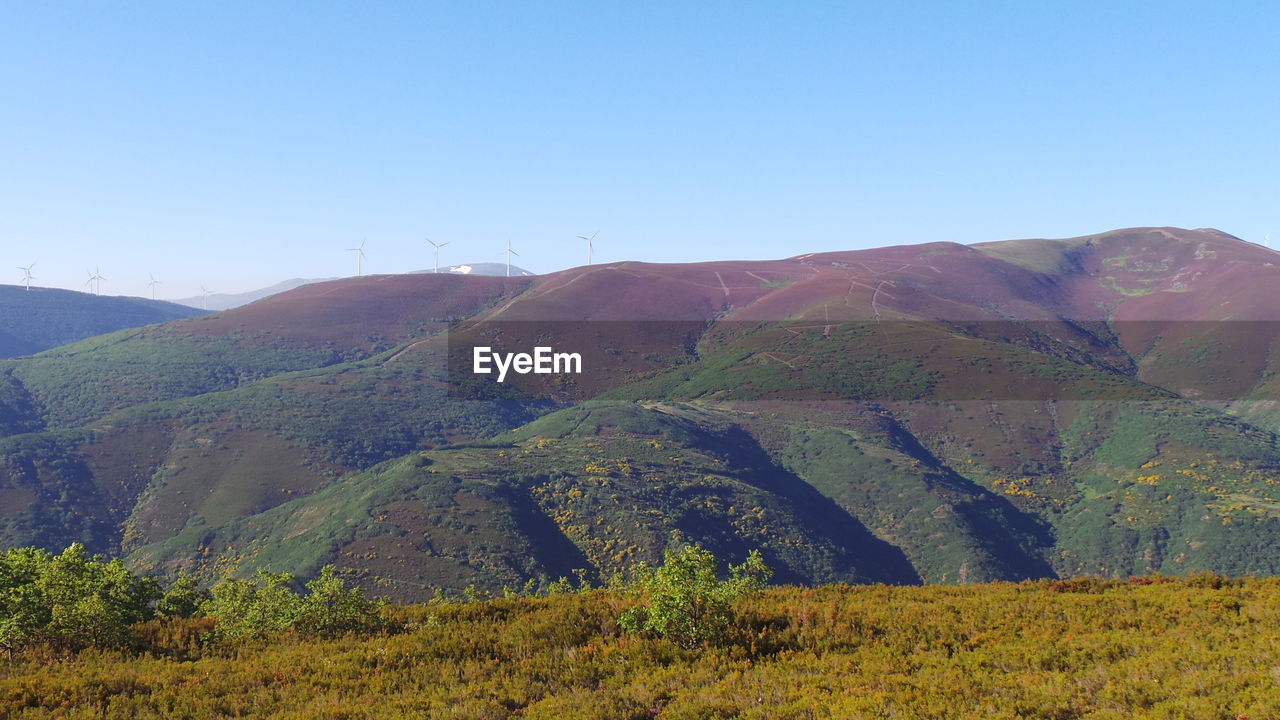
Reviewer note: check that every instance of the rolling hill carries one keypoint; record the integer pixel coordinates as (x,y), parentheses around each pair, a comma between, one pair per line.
(927,413)
(42,318)
(227,301)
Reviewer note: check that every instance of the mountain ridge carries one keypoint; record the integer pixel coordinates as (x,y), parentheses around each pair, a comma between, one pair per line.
(229,301)
(935,413)
(39,318)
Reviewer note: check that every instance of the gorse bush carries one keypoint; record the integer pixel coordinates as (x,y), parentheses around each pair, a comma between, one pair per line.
(687,601)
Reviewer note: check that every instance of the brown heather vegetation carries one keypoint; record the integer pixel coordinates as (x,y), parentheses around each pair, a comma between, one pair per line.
(1200,647)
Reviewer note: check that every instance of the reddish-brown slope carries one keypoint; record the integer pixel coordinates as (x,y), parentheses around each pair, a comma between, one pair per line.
(348,313)
(647,292)
(1197,309)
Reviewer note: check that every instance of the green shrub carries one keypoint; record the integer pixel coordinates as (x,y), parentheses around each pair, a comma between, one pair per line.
(688,603)
(183,599)
(254,609)
(266,605)
(70,601)
(332,609)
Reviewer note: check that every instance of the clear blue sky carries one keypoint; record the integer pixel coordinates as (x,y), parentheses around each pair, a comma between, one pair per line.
(234,144)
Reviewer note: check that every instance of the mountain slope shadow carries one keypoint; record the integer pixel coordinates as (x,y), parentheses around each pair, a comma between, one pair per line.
(951,529)
(549,547)
(1012,537)
(856,550)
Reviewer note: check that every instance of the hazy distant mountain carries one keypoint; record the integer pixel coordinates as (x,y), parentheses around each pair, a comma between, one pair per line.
(41,318)
(226,301)
(484,268)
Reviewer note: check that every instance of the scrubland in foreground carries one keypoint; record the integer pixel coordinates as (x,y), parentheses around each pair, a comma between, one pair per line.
(1200,647)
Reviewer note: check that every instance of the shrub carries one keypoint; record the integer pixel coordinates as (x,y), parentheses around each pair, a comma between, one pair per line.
(688,603)
(183,599)
(332,609)
(70,601)
(254,609)
(266,605)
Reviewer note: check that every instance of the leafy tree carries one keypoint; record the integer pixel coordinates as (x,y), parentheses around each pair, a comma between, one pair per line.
(688,602)
(254,609)
(332,609)
(184,598)
(267,605)
(22,610)
(71,600)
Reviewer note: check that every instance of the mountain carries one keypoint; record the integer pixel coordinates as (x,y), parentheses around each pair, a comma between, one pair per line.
(926,413)
(42,318)
(485,268)
(227,301)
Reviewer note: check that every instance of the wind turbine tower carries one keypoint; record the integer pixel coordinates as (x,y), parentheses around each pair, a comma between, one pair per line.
(510,252)
(437,246)
(27,277)
(154,282)
(204,296)
(95,281)
(589,240)
(359,251)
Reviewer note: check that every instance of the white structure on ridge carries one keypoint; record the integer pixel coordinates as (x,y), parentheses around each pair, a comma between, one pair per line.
(589,243)
(437,246)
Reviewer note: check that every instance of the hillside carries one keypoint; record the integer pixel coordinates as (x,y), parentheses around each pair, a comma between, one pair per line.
(931,413)
(1154,648)
(42,318)
(225,301)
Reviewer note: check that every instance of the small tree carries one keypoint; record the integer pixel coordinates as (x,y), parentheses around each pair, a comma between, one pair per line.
(688,603)
(183,599)
(333,609)
(266,605)
(70,601)
(254,609)
(23,610)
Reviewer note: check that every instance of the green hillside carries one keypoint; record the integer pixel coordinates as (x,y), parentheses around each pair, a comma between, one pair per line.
(933,413)
(41,318)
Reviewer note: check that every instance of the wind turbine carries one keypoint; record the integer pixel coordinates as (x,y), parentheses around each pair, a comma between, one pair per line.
(589,241)
(95,280)
(27,277)
(204,295)
(1266,241)
(154,282)
(437,246)
(510,252)
(359,251)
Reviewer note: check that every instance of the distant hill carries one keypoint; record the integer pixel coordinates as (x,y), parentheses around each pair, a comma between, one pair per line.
(1101,405)
(485,268)
(40,318)
(226,301)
